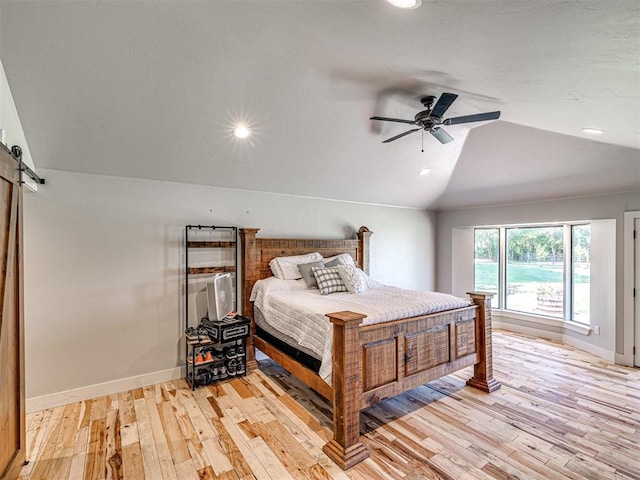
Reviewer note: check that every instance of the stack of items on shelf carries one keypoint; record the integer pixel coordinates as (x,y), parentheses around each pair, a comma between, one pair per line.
(216,350)
(218,364)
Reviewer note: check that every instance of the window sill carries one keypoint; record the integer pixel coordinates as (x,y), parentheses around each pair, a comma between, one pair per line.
(555,322)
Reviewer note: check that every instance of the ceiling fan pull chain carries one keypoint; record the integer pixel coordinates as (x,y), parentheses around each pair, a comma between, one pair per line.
(422,141)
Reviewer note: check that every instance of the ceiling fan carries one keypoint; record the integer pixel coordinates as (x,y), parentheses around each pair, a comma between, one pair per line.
(430,119)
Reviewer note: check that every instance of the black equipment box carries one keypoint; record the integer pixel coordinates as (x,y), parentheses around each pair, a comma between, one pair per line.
(228,329)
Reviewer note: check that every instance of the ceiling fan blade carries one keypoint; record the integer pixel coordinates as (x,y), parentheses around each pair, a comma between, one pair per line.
(399,120)
(441,135)
(478,117)
(400,136)
(443,104)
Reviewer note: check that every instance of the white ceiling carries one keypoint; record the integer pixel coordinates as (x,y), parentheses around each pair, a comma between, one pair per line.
(152,89)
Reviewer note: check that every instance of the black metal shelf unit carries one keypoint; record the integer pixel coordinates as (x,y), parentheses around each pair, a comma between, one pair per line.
(222,345)
(201,237)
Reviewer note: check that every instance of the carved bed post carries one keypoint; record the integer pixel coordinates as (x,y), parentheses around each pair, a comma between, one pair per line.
(345,448)
(483,370)
(249,278)
(363,239)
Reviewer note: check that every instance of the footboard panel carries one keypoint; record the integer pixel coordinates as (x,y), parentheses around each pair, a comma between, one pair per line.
(379,363)
(400,355)
(426,349)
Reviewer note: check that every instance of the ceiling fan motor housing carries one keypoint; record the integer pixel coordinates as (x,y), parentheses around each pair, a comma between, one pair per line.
(425,120)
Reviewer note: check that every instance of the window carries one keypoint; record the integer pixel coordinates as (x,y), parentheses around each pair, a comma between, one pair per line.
(581,271)
(539,270)
(534,270)
(487,251)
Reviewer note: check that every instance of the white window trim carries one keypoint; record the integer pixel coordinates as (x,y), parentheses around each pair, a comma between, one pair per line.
(532,318)
(502,312)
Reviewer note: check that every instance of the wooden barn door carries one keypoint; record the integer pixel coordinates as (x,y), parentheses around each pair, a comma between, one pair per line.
(12,414)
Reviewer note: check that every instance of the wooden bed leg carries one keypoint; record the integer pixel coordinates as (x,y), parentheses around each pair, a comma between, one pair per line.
(483,370)
(250,360)
(345,448)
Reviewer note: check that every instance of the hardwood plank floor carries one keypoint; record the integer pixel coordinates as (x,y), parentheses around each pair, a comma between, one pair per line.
(560,414)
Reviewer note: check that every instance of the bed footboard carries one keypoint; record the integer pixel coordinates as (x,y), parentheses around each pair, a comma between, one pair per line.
(374,362)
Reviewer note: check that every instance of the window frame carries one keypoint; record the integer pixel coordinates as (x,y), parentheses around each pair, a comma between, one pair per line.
(497,300)
(500,304)
(570,272)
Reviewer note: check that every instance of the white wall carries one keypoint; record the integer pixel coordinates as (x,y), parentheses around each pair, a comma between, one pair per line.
(103,276)
(451,223)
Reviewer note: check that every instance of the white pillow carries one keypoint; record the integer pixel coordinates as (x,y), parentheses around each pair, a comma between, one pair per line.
(274,284)
(352,277)
(286,268)
(276,270)
(341,259)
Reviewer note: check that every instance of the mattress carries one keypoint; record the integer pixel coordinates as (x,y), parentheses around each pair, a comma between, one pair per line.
(285,343)
(288,306)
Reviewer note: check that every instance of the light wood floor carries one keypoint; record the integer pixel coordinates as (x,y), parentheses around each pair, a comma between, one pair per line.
(560,413)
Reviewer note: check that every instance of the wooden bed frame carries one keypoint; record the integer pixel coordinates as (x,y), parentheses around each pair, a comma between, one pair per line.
(372,362)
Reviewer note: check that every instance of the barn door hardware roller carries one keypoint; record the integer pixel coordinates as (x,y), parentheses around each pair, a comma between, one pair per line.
(16,151)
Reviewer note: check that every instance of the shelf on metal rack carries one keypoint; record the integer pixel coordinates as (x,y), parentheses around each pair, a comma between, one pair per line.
(201,270)
(212,244)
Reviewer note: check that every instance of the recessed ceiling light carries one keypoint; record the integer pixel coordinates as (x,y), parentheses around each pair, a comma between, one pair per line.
(241,131)
(424,171)
(405,3)
(593,131)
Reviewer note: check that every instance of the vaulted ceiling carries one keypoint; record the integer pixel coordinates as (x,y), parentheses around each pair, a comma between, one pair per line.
(152,89)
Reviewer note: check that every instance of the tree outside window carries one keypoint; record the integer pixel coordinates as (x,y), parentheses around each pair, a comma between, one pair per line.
(535,270)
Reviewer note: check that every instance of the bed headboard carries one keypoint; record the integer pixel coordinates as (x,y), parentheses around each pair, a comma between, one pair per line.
(258,252)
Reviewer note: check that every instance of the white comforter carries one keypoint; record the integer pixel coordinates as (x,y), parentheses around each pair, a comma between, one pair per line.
(288,306)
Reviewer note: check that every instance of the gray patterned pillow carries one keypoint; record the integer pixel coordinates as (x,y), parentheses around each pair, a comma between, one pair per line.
(329,280)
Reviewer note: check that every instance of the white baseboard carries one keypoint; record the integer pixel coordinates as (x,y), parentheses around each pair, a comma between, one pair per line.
(559,337)
(35,404)
(532,332)
(587,347)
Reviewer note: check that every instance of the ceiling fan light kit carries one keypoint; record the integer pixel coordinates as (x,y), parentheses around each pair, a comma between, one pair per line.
(430,120)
